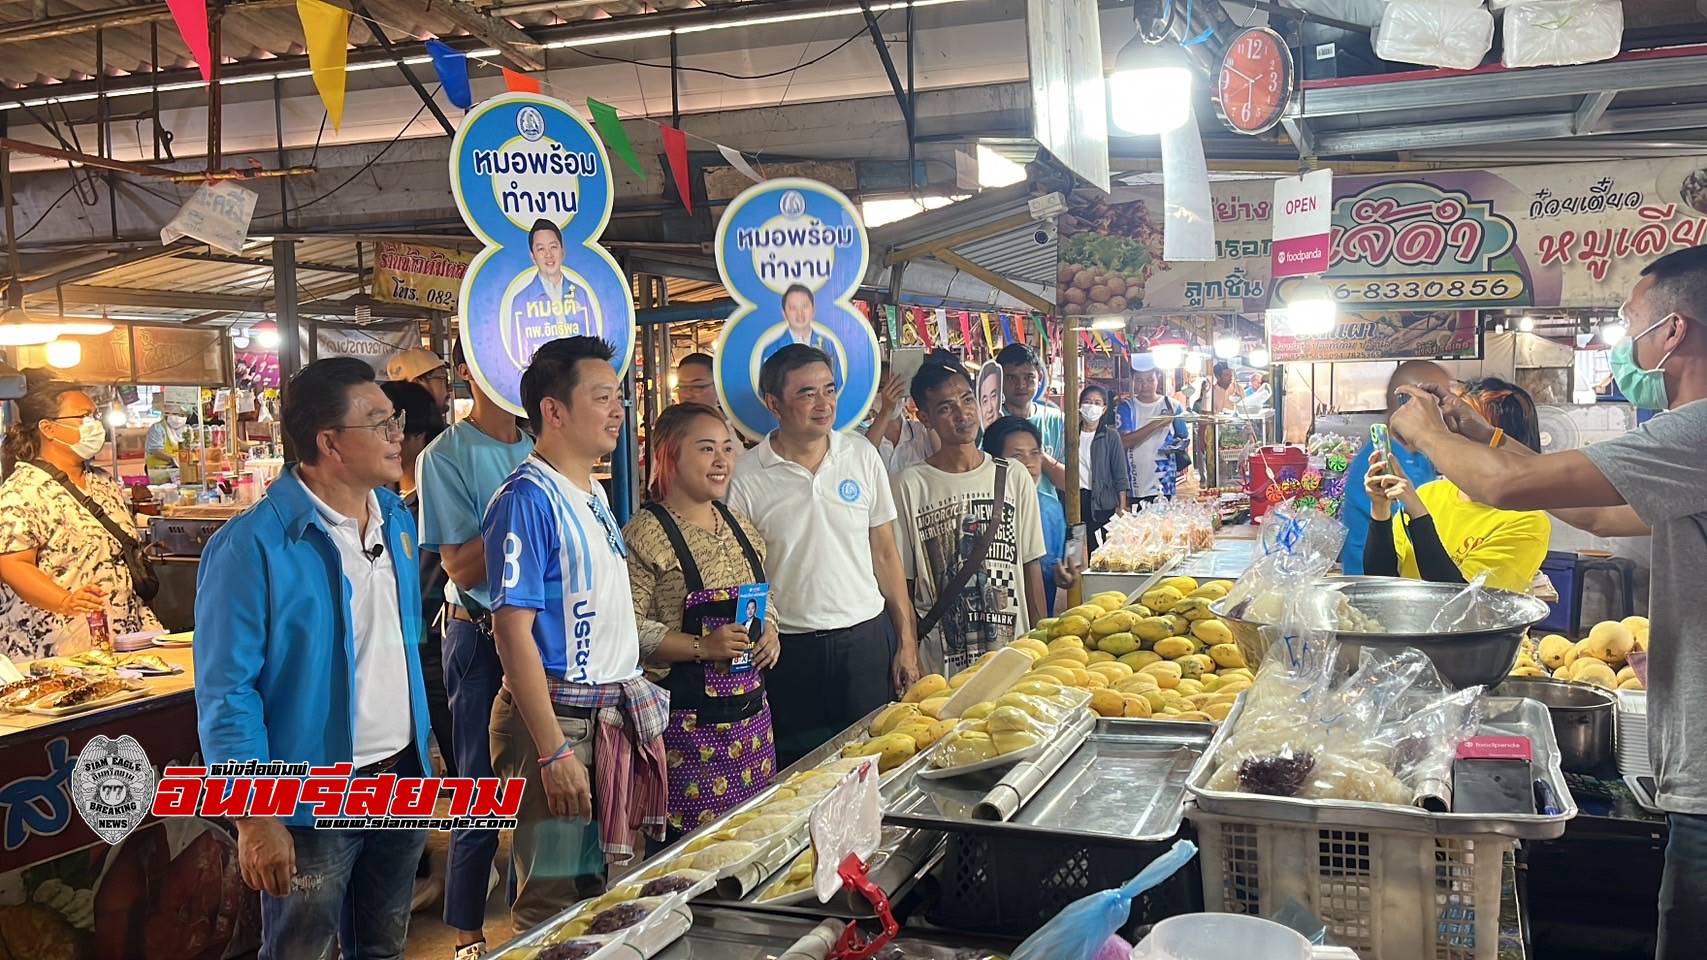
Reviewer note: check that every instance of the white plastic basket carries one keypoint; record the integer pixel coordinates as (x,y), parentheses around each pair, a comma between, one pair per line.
(1387,895)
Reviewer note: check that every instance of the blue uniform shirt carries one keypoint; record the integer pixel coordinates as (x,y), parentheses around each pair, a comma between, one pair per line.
(1354,509)
(456,477)
(1054,518)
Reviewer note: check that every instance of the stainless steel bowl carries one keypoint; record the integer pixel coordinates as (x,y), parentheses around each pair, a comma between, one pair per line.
(1585,720)
(1406,608)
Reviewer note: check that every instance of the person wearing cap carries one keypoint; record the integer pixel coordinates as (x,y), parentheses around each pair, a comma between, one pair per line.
(1022,373)
(424,367)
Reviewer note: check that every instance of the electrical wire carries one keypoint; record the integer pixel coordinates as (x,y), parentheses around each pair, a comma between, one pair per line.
(359,170)
(41,217)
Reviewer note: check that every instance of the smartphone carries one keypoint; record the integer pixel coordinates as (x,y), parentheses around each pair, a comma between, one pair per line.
(1381,439)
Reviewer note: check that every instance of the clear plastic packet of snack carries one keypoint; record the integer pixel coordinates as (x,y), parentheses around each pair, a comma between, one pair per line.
(1298,548)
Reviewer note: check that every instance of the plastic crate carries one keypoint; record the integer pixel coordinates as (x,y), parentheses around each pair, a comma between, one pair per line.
(1011,884)
(1387,895)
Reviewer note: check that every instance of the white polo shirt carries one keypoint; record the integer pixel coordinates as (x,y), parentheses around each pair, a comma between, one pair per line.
(817,530)
(382,668)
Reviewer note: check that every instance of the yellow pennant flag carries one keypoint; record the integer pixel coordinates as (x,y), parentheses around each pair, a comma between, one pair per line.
(989,333)
(326,31)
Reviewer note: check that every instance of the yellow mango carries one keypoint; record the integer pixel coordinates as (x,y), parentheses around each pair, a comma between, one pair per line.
(1167,673)
(1137,683)
(1085,611)
(1161,598)
(1099,656)
(1108,703)
(1609,642)
(1210,682)
(1070,627)
(960,679)
(1139,659)
(1118,644)
(1182,584)
(1226,655)
(1112,669)
(1110,600)
(1212,632)
(1630,684)
(1190,687)
(1155,699)
(1173,647)
(893,716)
(1193,609)
(1528,671)
(1194,716)
(1238,685)
(1037,648)
(1211,591)
(1218,711)
(1071,641)
(932,707)
(1178,624)
(1058,672)
(1195,665)
(1626,673)
(1036,688)
(1551,651)
(1151,629)
(978,711)
(1595,671)
(1066,656)
(1138,610)
(1117,622)
(1134,705)
(926,686)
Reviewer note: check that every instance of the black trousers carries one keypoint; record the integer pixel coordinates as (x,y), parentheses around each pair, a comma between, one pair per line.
(825,681)
(1094,520)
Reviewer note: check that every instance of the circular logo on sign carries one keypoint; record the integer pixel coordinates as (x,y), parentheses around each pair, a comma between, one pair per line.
(849,490)
(792,252)
(530,124)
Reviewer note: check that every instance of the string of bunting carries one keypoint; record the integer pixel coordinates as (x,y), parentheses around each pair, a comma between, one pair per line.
(960,330)
(326,29)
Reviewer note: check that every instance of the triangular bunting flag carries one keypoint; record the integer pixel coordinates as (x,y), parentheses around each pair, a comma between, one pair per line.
(1008,331)
(738,160)
(520,82)
(326,32)
(610,130)
(191,18)
(888,314)
(966,332)
(676,153)
(989,332)
(452,67)
(918,315)
(942,326)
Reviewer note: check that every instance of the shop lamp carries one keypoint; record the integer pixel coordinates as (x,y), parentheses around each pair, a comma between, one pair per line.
(19,329)
(1258,357)
(64,353)
(1149,91)
(116,416)
(268,338)
(1226,348)
(1116,323)
(1612,333)
(84,328)
(1311,309)
(1526,324)
(1167,354)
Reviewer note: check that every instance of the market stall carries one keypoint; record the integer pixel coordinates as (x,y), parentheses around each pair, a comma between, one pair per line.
(167,888)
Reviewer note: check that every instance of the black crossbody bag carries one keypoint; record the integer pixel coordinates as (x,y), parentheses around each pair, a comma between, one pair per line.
(143,581)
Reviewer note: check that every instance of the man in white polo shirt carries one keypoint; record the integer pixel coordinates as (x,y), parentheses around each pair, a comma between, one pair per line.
(838,593)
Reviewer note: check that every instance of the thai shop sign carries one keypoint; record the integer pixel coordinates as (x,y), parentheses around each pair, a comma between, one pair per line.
(418,275)
(371,345)
(1548,235)
(1396,335)
(130,353)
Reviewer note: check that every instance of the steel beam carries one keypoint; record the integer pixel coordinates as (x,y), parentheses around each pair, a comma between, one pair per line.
(235,260)
(86,159)
(407,71)
(522,51)
(901,97)
(1591,110)
(1547,126)
(45,283)
(996,280)
(981,232)
(287,324)
(119,16)
(1301,135)
(1681,69)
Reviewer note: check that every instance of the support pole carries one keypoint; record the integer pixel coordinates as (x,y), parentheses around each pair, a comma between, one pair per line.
(284,317)
(215,95)
(1070,414)
(407,71)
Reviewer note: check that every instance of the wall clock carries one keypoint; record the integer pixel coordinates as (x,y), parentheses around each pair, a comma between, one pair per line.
(1254,82)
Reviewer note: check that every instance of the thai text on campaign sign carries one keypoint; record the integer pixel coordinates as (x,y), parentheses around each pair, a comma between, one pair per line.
(792,252)
(532,181)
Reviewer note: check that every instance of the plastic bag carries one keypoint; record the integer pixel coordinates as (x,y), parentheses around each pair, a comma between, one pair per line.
(1081,928)
(1562,31)
(1298,548)
(1435,33)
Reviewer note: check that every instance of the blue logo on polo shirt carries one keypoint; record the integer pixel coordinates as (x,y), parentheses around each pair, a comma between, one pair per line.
(849,491)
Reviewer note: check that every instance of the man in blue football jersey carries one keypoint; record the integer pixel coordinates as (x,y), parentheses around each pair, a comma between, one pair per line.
(563,619)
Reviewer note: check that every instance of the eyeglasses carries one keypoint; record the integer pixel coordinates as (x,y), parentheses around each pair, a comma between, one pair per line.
(391,428)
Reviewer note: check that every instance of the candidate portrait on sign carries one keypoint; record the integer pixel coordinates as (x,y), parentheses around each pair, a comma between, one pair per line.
(800,325)
(551,305)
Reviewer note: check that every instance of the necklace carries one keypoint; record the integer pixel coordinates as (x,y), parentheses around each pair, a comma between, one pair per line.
(716,528)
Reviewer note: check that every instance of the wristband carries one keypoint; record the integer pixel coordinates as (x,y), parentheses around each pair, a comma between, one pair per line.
(563,750)
(1498,437)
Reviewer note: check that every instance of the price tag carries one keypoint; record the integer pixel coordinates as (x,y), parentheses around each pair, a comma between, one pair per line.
(846,821)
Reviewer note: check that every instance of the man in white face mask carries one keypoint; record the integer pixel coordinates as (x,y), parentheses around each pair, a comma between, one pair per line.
(1650,480)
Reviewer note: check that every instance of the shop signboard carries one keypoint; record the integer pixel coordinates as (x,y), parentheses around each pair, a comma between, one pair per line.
(1398,335)
(418,275)
(792,252)
(1303,224)
(521,160)
(1551,235)
(184,356)
(371,346)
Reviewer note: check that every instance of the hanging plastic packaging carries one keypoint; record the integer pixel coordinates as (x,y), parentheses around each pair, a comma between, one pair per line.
(1084,925)
(1455,34)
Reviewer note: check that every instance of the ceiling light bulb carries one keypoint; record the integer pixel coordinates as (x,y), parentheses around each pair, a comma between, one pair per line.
(116,416)
(64,353)
(1611,334)
(1109,323)
(19,329)
(1526,324)
(1226,348)
(268,338)
(1149,91)
(1167,354)
(1258,357)
(1311,309)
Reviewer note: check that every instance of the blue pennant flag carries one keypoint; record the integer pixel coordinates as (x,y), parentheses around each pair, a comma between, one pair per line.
(452,67)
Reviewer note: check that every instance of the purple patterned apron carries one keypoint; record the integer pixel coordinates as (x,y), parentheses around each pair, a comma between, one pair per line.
(719,746)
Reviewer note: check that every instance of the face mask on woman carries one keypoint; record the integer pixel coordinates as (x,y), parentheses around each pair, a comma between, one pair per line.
(91,437)
(176,421)
(1090,413)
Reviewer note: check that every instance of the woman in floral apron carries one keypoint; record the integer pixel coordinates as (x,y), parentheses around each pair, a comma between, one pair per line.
(688,557)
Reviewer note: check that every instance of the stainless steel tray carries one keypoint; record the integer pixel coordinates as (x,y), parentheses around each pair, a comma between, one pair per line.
(903,860)
(1125,782)
(1507,716)
(723,933)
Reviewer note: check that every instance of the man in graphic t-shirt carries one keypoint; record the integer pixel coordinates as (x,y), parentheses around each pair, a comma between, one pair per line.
(944,506)
(1146,427)
(563,619)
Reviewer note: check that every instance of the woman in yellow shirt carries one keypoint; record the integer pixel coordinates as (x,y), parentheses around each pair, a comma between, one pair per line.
(1445,536)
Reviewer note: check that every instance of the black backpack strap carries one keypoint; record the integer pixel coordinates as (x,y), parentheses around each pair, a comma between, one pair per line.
(741,538)
(684,556)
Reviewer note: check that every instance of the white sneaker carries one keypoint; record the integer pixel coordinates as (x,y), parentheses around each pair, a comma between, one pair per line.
(473,951)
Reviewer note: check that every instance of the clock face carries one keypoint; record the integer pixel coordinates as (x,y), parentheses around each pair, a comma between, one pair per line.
(1254,84)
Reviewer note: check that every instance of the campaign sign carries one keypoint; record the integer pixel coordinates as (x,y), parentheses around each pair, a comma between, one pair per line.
(519,159)
(792,252)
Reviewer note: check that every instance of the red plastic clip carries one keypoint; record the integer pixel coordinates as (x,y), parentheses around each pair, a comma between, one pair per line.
(853,945)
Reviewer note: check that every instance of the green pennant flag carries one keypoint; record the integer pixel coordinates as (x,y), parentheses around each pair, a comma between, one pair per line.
(894,331)
(610,130)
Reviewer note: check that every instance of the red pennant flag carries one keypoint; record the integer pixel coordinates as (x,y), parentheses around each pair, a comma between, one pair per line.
(924,328)
(965,333)
(191,18)
(520,82)
(676,152)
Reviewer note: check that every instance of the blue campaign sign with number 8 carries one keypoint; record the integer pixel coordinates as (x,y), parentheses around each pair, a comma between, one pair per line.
(792,252)
(533,182)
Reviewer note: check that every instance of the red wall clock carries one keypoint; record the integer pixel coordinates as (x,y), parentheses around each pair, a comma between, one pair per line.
(1254,82)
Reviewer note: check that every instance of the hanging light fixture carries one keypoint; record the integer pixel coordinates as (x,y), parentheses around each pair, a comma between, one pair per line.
(1257,357)
(268,338)
(116,415)
(1526,324)
(64,353)
(1167,354)
(1106,323)
(1226,347)
(1149,91)
(1311,309)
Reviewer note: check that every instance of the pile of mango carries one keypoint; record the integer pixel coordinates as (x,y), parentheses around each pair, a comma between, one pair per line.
(1598,659)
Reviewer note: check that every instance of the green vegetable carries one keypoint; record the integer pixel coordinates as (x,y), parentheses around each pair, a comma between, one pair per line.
(1116,254)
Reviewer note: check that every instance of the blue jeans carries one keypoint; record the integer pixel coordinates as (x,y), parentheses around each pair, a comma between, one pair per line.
(377,870)
(473,675)
(1683,890)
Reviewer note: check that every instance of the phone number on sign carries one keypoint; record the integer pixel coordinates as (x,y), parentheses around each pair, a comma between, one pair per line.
(1478,288)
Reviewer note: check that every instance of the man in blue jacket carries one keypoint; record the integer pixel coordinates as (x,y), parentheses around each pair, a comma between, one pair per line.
(308,614)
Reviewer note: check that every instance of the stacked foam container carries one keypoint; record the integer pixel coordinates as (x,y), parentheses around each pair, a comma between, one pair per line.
(1458,34)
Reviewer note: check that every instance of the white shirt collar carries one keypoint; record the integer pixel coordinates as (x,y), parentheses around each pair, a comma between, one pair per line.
(333,518)
(768,457)
(552,287)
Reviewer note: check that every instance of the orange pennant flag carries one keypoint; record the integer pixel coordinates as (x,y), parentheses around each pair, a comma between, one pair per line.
(520,82)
